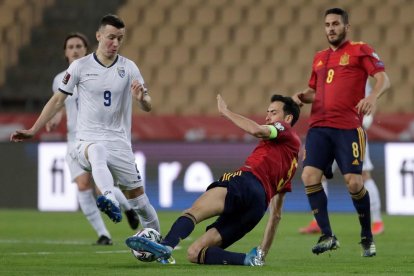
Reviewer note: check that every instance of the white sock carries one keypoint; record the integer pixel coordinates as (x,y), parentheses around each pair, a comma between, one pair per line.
(146,212)
(123,201)
(374,199)
(90,210)
(100,171)
(325,186)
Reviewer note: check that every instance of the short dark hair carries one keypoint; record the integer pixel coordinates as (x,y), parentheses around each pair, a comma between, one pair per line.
(113,20)
(78,35)
(340,12)
(290,107)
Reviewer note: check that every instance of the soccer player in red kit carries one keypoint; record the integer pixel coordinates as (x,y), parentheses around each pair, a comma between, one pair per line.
(337,93)
(240,198)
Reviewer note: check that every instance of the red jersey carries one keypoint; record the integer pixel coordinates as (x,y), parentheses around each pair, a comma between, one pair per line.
(339,78)
(274,161)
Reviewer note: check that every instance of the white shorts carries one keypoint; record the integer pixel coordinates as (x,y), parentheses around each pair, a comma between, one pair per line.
(120,161)
(75,169)
(366,166)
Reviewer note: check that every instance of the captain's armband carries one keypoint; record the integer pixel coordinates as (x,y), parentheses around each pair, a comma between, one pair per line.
(273,132)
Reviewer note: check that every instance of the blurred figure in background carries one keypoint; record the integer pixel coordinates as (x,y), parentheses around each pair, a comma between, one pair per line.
(76,46)
(369,183)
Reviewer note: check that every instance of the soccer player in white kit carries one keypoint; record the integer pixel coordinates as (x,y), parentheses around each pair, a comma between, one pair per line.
(76,46)
(106,84)
(369,183)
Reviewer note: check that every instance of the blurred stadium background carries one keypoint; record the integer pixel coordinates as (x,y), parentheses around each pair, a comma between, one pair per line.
(188,50)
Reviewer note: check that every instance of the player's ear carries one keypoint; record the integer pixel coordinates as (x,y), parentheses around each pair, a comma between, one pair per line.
(98,35)
(288,119)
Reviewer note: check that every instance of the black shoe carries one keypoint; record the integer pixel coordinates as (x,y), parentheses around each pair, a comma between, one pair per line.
(325,243)
(368,248)
(103,240)
(133,219)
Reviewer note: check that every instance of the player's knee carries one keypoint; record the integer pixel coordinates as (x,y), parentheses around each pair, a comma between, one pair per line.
(354,183)
(192,253)
(309,178)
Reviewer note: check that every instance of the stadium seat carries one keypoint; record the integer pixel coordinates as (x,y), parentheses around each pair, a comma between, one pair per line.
(179,55)
(257,16)
(257,55)
(179,16)
(192,35)
(230,16)
(230,55)
(218,35)
(166,35)
(242,75)
(154,55)
(192,75)
(244,35)
(205,55)
(218,75)
(204,16)
(140,36)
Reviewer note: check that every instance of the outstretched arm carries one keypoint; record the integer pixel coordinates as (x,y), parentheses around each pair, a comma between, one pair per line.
(51,108)
(275,215)
(242,122)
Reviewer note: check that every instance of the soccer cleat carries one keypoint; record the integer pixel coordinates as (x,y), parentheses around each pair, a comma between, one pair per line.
(368,248)
(103,240)
(325,243)
(142,244)
(312,228)
(377,228)
(133,219)
(169,261)
(255,257)
(109,208)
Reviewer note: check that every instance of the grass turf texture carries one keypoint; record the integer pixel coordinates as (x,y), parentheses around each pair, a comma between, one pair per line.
(35,243)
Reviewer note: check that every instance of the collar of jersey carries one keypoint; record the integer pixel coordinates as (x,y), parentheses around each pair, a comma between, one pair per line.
(97,60)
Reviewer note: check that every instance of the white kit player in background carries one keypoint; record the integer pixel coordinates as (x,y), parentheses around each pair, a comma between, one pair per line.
(76,46)
(369,183)
(106,84)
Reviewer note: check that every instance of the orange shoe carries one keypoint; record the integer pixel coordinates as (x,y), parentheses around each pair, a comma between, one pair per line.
(377,228)
(312,228)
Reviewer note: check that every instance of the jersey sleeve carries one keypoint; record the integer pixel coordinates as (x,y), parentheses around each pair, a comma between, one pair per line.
(312,79)
(370,60)
(283,131)
(70,79)
(136,73)
(56,82)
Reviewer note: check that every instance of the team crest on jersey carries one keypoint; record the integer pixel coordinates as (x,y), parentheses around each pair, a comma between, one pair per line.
(344,59)
(279,126)
(66,78)
(121,71)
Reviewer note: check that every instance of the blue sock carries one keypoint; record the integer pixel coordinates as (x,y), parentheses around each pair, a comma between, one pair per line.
(319,204)
(217,255)
(362,205)
(180,230)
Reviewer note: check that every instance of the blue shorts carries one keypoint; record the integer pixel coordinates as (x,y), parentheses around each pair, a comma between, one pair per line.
(244,206)
(325,144)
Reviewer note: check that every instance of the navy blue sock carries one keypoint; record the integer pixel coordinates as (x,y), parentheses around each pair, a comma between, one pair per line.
(362,205)
(180,230)
(217,255)
(319,204)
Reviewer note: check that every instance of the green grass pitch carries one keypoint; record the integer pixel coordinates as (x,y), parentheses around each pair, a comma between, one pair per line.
(35,243)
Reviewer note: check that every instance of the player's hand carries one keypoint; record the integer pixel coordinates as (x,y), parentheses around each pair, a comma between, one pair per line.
(260,256)
(138,90)
(221,104)
(21,135)
(367,105)
(297,98)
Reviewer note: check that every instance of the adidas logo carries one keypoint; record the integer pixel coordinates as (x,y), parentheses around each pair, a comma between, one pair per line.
(356,163)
